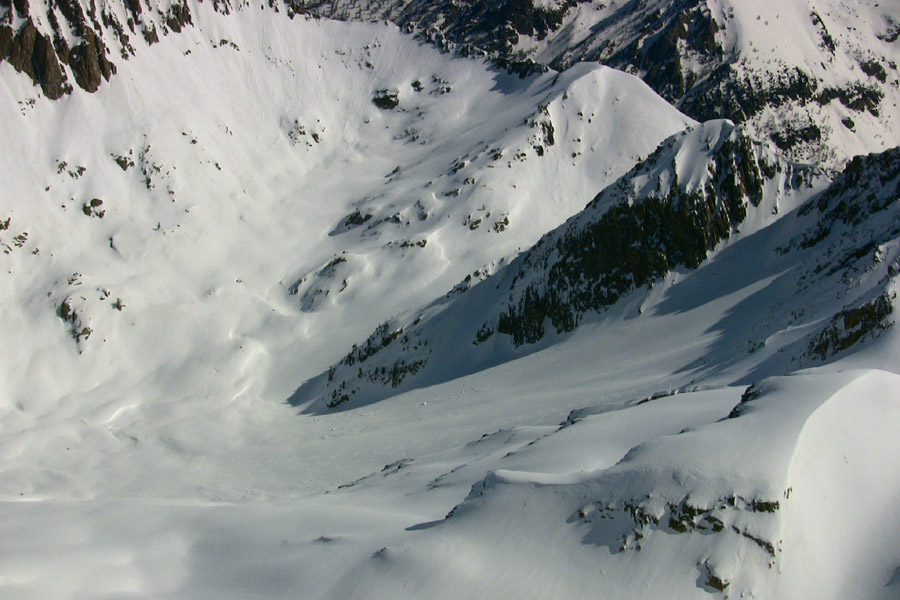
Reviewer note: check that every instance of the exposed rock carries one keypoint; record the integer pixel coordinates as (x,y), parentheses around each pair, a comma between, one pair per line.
(179,16)
(635,242)
(92,208)
(22,8)
(73,14)
(850,325)
(89,63)
(32,53)
(134,7)
(684,49)
(6,41)
(386,99)
(124,162)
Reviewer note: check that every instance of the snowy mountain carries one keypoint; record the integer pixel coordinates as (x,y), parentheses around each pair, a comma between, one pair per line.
(710,485)
(699,192)
(818,77)
(684,387)
(751,502)
(232,223)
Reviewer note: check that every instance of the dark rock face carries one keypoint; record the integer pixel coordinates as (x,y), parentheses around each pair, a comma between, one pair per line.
(658,50)
(22,8)
(869,185)
(89,63)
(42,59)
(44,56)
(179,16)
(496,26)
(850,325)
(32,53)
(6,40)
(726,94)
(134,7)
(488,25)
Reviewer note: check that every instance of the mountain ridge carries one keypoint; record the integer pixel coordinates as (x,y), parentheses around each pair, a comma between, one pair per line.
(816,97)
(599,258)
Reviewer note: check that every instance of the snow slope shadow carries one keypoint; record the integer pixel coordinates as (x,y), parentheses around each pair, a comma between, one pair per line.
(820,280)
(698,189)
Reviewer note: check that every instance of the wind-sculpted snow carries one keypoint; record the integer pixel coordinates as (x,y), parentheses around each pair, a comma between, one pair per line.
(728,504)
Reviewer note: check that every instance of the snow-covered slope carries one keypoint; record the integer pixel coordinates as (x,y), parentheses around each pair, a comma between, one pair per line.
(819,77)
(634,249)
(207,220)
(778,489)
(216,231)
(782,497)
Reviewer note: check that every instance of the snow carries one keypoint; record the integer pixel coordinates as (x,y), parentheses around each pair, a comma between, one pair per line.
(159,457)
(229,208)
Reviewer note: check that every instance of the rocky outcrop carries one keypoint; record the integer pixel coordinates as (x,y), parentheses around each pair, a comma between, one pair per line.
(38,47)
(697,190)
(89,63)
(32,53)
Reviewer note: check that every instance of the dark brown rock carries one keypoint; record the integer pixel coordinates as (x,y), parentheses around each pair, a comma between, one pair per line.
(89,63)
(134,7)
(22,8)
(6,39)
(47,69)
(21,49)
(150,35)
(62,49)
(178,17)
(74,15)
(32,53)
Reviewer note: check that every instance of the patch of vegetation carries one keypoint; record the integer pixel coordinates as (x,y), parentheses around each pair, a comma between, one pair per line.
(873,68)
(380,338)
